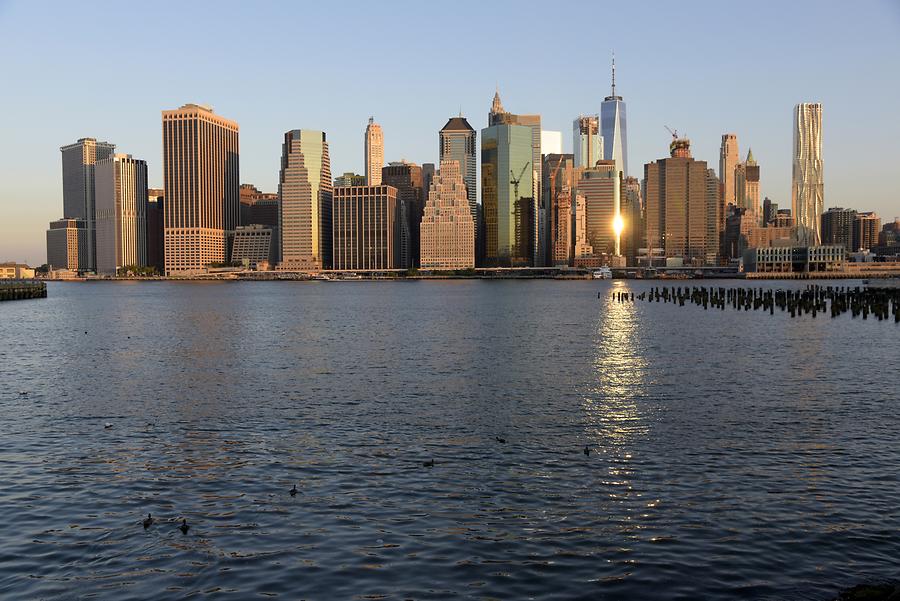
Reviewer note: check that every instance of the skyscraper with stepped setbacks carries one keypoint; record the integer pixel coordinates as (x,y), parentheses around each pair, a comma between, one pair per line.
(448,228)
(305,201)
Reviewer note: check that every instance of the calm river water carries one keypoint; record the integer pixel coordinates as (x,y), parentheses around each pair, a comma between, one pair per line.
(735,454)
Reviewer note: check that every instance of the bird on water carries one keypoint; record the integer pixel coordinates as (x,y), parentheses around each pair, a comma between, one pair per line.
(184,527)
(500,440)
(429,463)
(148,521)
(107,426)
(294,491)
(587,450)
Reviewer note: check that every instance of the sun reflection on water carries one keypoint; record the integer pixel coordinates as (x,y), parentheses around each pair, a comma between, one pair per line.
(613,417)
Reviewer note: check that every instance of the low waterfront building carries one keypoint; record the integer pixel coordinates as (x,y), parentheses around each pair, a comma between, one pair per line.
(253,245)
(796,259)
(365,227)
(15,271)
(67,245)
(447,228)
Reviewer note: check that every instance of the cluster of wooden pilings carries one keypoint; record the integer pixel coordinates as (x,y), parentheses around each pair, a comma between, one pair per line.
(881,303)
(22,289)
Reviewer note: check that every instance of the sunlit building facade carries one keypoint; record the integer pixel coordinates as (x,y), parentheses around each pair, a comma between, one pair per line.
(866,226)
(807,183)
(507,193)
(613,127)
(365,227)
(728,161)
(121,213)
(587,143)
(598,187)
(305,201)
(201,180)
(447,227)
(499,116)
(374,159)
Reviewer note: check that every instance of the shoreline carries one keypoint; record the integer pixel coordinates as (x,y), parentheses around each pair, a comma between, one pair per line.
(750,278)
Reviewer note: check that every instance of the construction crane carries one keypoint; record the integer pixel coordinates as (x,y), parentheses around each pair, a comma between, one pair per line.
(673,132)
(515,180)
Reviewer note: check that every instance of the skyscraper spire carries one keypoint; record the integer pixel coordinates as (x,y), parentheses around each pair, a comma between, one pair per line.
(496,105)
(613,74)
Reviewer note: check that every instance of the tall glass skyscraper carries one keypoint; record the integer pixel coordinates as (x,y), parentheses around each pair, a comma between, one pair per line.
(807,184)
(507,194)
(613,128)
(498,116)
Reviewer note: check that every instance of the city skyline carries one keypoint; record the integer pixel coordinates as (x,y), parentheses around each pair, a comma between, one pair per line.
(696,98)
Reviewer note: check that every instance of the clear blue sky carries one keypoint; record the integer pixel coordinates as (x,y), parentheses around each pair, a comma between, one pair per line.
(107,69)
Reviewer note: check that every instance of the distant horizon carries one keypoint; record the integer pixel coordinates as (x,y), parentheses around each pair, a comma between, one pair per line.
(751,93)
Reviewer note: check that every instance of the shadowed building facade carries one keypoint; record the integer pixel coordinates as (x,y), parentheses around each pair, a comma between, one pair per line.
(681,202)
(507,189)
(201,180)
(365,227)
(448,228)
(155,231)
(407,178)
(837,227)
(253,245)
(558,173)
(121,183)
(633,217)
(79,189)
(258,207)
(305,201)
(67,244)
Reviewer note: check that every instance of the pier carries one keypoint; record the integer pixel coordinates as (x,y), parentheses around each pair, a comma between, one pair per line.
(880,303)
(22,289)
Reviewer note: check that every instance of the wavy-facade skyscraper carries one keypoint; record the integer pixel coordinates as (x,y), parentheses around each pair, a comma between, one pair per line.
(807,183)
